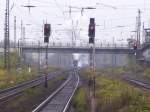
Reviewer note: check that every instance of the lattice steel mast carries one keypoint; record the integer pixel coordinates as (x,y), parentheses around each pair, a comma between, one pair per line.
(6,38)
(15,29)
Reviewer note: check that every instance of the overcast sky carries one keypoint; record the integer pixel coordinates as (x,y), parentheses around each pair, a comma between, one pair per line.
(109,14)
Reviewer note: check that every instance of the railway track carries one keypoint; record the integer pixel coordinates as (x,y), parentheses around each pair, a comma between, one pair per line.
(59,100)
(138,83)
(8,93)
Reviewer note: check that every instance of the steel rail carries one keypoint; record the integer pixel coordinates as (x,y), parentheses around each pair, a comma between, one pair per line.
(69,101)
(29,84)
(58,93)
(139,83)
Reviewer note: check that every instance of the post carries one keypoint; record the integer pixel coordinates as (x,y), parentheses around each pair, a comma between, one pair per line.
(19,52)
(138,28)
(21,30)
(21,55)
(72,35)
(59,60)
(18,48)
(15,32)
(135,54)
(113,43)
(23,34)
(39,57)
(91,34)
(93,56)
(6,39)
(47,32)
(46,69)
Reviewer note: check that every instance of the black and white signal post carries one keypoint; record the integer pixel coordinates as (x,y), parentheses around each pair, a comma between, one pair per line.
(47,33)
(91,34)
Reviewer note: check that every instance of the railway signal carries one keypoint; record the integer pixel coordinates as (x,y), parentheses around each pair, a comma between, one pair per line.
(135,47)
(91,40)
(91,34)
(47,32)
(91,31)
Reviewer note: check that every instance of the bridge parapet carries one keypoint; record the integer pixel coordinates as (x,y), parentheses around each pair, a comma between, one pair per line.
(65,45)
(54,47)
(77,48)
(78,45)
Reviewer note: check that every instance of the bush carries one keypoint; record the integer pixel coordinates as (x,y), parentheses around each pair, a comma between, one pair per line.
(116,96)
(147,74)
(80,101)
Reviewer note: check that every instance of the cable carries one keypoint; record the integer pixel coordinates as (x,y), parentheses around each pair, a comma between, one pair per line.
(57,5)
(116,19)
(46,2)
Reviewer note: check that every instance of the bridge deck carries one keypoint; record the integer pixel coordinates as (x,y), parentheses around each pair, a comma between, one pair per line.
(86,48)
(74,48)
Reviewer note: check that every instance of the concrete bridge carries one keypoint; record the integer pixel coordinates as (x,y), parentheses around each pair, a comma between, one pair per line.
(76,48)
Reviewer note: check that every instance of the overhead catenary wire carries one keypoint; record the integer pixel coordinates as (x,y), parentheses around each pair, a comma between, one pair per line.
(61,10)
(46,3)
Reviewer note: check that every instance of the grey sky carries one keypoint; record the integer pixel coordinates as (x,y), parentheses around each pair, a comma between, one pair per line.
(54,11)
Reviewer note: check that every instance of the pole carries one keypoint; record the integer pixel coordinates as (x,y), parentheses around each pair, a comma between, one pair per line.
(20,43)
(139,27)
(91,64)
(39,57)
(21,30)
(92,83)
(70,11)
(23,34)
(19,53)
(135,54)
(143,39)
(23,43)
(72,34)
(59,60)
(6,39)
(46,71)
(113,44)
(15,32)
(93,68)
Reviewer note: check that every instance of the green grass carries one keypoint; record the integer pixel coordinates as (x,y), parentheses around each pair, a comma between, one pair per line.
(14,76)
(112,94)
(31,98)
(80,102)
(14,60)
(116,96)
(112,70)
(146,73)
(8,79)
